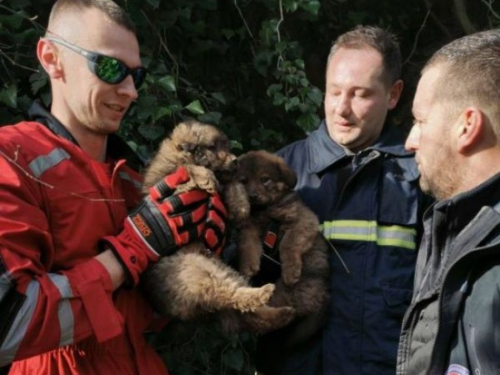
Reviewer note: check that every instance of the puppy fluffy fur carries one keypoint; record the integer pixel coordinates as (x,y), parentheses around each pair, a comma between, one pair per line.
(189,283)
(303,283)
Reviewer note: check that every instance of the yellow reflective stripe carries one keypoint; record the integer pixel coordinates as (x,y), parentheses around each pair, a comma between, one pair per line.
(370,231)
(398,243)
(395,235)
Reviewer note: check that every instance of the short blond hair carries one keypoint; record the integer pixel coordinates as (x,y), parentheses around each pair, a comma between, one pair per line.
(108,7)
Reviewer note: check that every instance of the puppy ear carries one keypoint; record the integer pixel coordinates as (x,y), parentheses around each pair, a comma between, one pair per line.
(288,175)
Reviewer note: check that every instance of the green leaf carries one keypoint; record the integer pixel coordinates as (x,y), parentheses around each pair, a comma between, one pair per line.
(312,6)
(132,145)
(279,99)
(304,82)
(281,47)
(291,5)
(195,107)
(151,132)
(211,117)
(235,145)
(12,20)
(292,103)
(299,63)
(154,3)
(273,89)
(208,4)
(228,33)
(8,96)
(146,106)
(168,83)
(38,80)
(162,112)
(220,97)
(308,121)
(19,4)
(316,96)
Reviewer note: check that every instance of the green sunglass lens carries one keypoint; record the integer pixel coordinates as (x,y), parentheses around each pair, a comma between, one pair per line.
(110,70)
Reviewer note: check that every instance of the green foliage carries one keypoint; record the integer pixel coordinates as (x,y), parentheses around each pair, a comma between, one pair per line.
(202,348)
(255,68)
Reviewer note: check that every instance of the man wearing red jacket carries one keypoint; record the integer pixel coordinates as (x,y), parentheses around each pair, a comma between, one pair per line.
(75,232)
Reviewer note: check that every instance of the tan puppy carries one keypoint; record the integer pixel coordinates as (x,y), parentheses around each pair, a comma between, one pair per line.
(189,283)
(302,279)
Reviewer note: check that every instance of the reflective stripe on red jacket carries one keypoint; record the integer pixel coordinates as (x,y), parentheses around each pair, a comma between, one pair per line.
(55,205)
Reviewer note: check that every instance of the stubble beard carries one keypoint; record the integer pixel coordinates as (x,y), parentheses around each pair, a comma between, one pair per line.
(445,179)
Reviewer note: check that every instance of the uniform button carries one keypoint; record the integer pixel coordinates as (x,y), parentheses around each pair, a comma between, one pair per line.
(133,259)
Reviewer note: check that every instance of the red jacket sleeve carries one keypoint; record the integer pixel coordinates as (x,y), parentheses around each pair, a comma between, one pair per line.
(42,308)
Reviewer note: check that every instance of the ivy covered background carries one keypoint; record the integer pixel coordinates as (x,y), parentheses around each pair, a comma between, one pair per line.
(254,68)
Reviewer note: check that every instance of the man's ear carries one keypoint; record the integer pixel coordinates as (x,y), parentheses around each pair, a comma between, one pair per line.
(49,58)
(395,93)
(470,129)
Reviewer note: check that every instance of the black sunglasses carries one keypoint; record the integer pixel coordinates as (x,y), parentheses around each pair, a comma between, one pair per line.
(107,69)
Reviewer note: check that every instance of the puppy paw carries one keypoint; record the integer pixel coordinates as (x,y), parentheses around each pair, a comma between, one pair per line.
(250,269)
(266,318)
(241,212)
(237,203)
(250,299)
(291,275)
(202,178)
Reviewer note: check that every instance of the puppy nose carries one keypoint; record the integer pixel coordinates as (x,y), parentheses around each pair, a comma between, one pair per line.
(252,196)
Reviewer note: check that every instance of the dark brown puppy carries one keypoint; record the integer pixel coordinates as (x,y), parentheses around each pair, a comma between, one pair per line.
(189,283)
(302,282)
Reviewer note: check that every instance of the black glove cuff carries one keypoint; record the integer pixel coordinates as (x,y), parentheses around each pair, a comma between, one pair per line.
(158,235)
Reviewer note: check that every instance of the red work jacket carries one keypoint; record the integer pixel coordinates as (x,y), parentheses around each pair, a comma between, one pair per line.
(55,205)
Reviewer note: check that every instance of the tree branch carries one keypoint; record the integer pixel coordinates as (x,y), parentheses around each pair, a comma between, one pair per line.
(163,43)
(243,18)
(463,17)
(415,42)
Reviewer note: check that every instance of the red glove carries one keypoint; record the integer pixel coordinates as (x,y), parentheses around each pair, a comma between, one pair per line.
(160,224)
(215,225)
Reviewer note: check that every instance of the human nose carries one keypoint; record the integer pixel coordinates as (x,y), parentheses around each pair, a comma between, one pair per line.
(127,87)
(343,107)
(413,139)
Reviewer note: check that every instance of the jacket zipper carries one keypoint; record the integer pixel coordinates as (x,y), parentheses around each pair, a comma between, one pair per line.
(374,154)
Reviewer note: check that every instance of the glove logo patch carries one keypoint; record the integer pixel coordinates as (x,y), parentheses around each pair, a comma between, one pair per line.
(141,225)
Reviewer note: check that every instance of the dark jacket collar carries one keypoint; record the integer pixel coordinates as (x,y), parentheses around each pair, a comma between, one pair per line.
(116,148)
(461,209)
(323,151)
(40,114)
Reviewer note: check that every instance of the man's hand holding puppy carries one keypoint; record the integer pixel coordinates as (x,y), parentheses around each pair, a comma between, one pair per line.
(163,222)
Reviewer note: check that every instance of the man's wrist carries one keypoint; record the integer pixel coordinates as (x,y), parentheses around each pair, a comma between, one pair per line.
(113,266)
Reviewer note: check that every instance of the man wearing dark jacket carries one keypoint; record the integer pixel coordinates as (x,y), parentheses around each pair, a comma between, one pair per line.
(354,173)
(453,323)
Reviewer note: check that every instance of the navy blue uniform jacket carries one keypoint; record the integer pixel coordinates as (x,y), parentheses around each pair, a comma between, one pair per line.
(369,206)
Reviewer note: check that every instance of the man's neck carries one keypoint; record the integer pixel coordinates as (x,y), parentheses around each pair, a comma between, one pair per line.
(93,143)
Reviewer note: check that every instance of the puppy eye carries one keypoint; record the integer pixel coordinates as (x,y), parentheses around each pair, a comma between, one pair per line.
(244,180)
(265,180)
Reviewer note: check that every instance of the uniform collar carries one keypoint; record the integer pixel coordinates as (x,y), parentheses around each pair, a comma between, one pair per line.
(116,148)
(40,114)
(324,151)
(461,209)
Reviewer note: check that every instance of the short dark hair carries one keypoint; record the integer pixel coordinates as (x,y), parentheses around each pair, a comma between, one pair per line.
(471,72)
(108,7)
(377,38)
